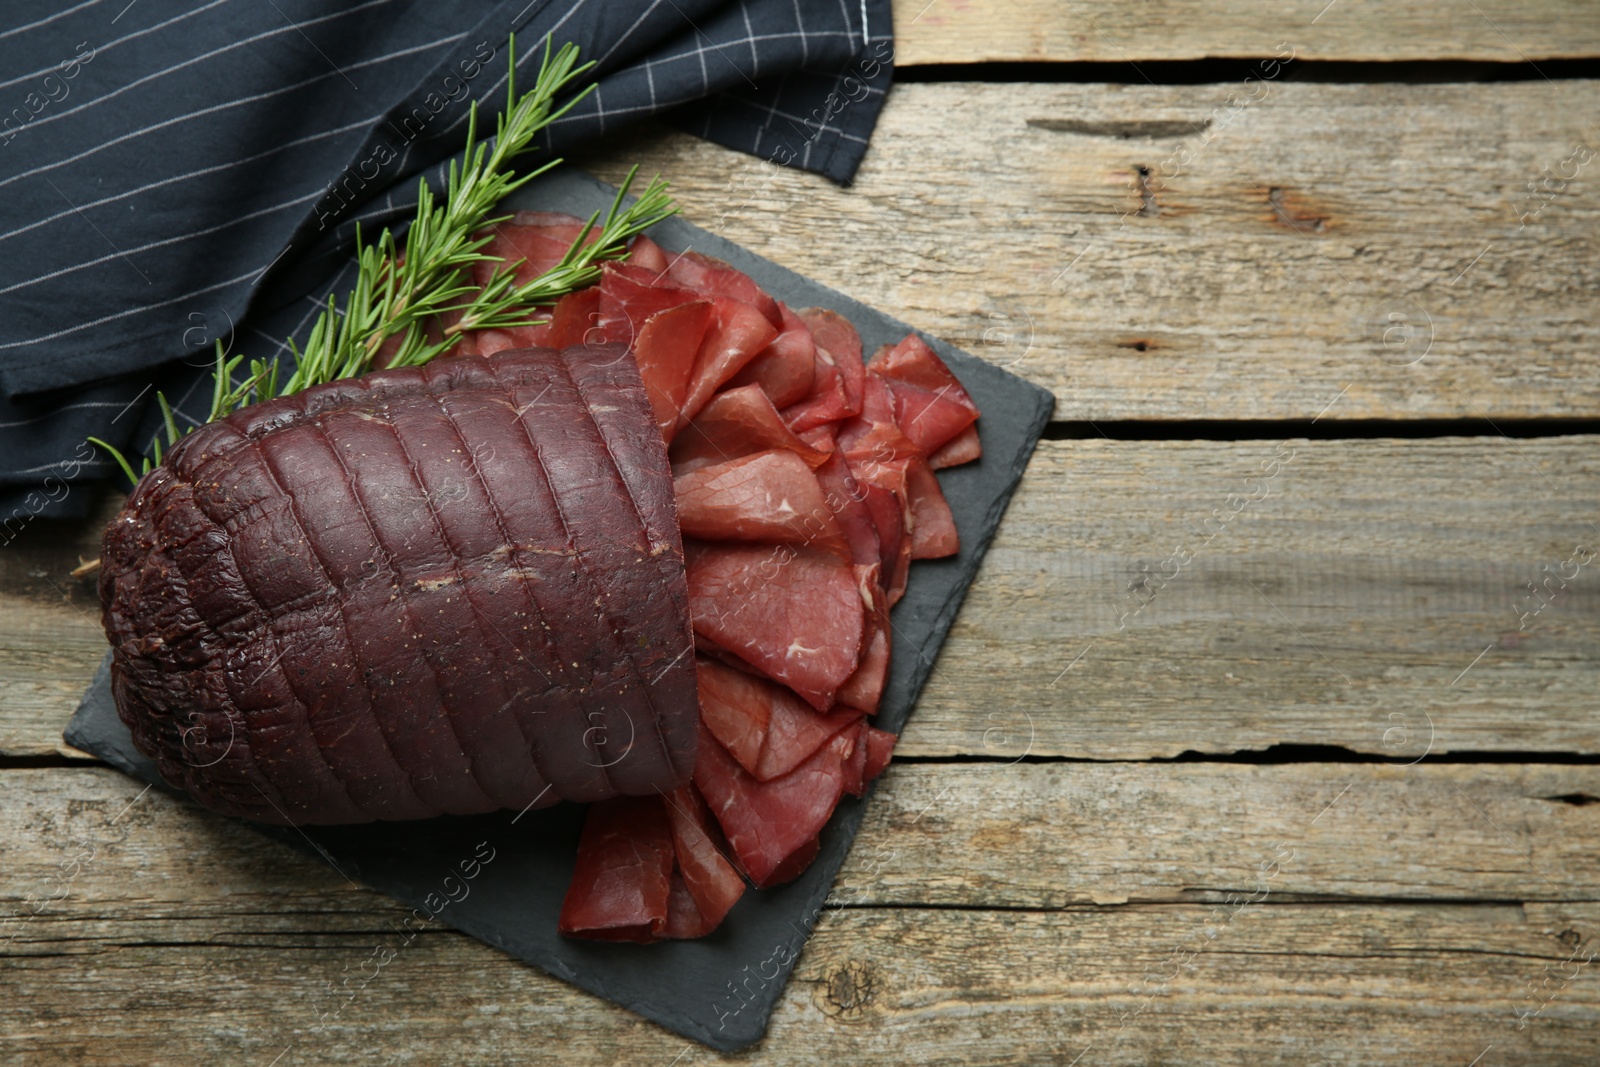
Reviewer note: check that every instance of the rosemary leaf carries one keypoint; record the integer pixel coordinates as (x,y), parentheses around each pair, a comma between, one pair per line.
(396,295)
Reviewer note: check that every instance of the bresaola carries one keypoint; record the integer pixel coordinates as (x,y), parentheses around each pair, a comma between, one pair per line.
(659,531)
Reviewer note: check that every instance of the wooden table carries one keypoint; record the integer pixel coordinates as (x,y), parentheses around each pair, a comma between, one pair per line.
(1269,731)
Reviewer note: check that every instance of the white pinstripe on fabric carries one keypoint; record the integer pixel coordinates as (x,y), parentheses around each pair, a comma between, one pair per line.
(218,228)
(158,75)
(176,119)
(286,145)
(102,49)
(131,311)
(45,22)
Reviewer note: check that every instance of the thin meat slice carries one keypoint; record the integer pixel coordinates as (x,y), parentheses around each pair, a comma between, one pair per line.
(795,731)
(763,725)
(737,708)
(538,239)
(736,422)
(834,335)
(771,497)
(712,277)
(836,390)
(886,501)
(931,407)
(629,296)
(623,876)
(880,747)
(684,920)
(864,688)
(647,255)
(667,346)
(964,447)
(710,882)
(792,613)
(855,764)
(846,495)
(930,420)
(771,826)
(933,527)
(574,320)
(736,334)
(786,368)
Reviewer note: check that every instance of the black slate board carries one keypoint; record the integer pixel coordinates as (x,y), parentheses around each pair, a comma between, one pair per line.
(719,990)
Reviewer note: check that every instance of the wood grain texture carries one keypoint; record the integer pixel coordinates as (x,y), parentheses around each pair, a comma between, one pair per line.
(50,635)
(960,31)
(143,930)
(1378,240)
(1369,594)
(1346,602)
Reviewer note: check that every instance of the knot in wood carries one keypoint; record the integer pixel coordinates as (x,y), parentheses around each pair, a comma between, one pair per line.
(849,989)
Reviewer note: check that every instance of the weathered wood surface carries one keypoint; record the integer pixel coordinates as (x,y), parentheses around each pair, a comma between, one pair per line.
(1376,239)
(145,931)
(1370,594)
(50,636)
(1010,906)
(960,31)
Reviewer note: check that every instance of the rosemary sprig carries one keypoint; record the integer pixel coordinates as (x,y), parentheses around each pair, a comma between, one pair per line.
(396,295)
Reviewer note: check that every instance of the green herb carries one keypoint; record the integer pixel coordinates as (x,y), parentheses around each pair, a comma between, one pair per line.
(395,295)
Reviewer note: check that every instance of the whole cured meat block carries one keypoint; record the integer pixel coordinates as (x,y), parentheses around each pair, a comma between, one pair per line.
(446,589)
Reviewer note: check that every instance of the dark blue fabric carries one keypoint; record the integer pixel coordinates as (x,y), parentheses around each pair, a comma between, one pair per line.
(172,173)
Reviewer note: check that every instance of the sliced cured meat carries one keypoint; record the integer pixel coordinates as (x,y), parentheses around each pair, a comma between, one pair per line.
(538,239)
(880,746)
(665,351)
(737,708)
(964,447)
(793,613)
(931,407)
(623,877)
(873,747)
(762,724)
(736,422)
(647,255)
(846,495)
(712,277)
(628,297)
(773,497)
(786,368)
(684,920)
(573,320)
(822,438)
(709,879)
(834,335)
(736,334)
(933,527)
(855,764)
(771,826)
(914,363)
(836,390)
(795,731)
(887,503)
(864,688)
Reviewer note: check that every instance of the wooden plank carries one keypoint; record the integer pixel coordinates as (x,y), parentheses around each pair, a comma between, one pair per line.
(50,636)
(1352,241)
(185,938)
(1369,594)
(954,31)
(980,835)
(1373,597)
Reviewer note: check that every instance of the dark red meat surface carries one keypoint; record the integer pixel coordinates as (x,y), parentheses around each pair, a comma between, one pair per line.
(480,585)
(446,589)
